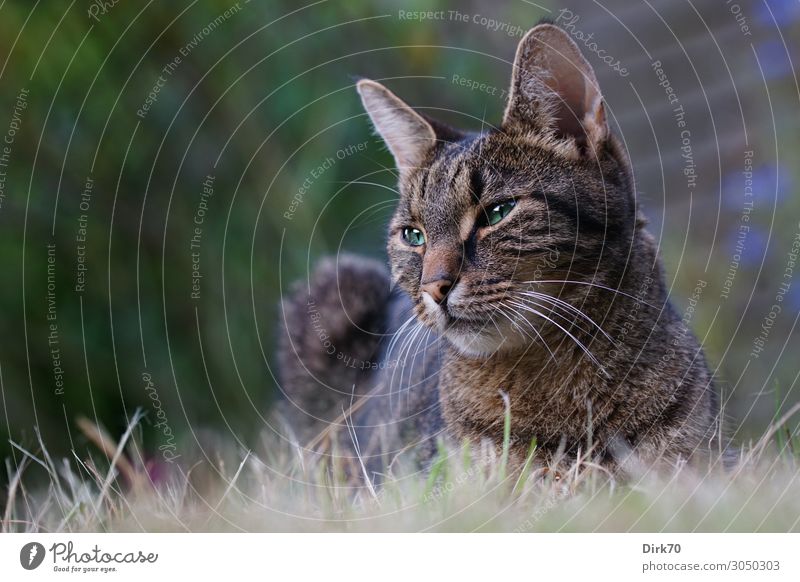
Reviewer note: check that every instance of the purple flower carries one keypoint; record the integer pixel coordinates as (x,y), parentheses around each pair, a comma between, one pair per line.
(774,59)
(783,11)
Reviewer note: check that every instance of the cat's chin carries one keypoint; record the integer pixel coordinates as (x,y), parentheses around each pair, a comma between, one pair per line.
(477,345)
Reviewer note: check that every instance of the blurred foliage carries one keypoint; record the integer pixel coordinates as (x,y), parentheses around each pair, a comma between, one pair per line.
(259,101)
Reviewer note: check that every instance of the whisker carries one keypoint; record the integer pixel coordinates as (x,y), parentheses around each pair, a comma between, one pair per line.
(409,346)
(571,336)
(515,324)
(533,328)
(424,344)
(598,285)
(568,306)
(494,323)
(406,339)
(552,308)
(397,335)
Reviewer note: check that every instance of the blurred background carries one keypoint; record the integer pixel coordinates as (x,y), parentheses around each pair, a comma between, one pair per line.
(167,169)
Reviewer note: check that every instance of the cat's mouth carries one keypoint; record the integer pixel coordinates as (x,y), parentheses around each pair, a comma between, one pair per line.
(474,335)
(462,324)
(457,309)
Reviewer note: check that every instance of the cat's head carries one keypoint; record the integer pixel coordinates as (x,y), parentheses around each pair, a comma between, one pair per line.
(546,196)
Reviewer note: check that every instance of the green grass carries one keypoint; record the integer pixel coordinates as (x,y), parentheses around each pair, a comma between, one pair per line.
(287,489)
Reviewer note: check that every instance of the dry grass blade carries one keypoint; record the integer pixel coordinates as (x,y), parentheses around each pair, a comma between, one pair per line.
(776,426)
(103,441)
(231,484)
(13,487)
(115,459)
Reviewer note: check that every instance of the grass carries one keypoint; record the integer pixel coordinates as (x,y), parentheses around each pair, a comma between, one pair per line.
(287,489)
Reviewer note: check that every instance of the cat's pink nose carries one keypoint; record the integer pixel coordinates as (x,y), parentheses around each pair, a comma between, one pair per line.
(438,289)
(440,271)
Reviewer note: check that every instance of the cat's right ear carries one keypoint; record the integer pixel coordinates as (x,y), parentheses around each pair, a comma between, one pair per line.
(554,89)
(407,134)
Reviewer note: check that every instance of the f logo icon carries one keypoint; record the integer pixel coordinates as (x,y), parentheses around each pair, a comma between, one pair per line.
(31,555)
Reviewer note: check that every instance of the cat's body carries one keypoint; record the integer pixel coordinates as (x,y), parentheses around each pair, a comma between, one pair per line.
(523,280)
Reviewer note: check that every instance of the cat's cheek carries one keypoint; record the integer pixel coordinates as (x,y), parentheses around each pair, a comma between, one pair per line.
(405,266)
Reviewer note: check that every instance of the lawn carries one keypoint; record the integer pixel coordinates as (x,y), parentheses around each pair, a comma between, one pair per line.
(284,488)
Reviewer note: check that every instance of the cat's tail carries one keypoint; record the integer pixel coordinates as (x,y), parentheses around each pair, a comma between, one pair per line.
(331,328)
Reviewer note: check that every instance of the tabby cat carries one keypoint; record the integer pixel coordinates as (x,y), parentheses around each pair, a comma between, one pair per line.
(523,281)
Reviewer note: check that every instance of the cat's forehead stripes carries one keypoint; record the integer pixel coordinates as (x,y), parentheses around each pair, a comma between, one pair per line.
(444,197)
(472,170)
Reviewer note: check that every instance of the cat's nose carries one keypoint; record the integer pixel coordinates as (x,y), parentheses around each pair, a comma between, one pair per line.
(438,289)
(440,271)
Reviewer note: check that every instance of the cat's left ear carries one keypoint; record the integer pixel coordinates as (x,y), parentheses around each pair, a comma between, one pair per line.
(407,134)
(554,89)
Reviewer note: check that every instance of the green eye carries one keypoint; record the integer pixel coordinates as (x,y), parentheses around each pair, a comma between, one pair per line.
(499,212)
(413,236)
